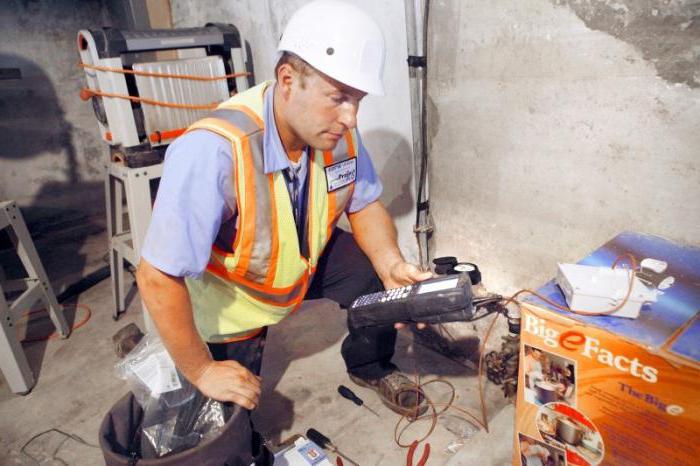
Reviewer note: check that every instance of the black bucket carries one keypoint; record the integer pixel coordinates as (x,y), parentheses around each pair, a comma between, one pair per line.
(120,441)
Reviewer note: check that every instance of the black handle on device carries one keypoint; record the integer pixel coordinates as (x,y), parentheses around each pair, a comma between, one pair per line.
(318,438)
(346,393)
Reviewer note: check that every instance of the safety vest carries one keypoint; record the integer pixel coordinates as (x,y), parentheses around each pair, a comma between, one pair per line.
(264,275)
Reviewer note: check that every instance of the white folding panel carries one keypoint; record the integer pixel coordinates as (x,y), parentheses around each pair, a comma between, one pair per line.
(183,91)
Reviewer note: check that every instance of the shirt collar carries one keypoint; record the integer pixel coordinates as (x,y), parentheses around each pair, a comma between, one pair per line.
(274,156)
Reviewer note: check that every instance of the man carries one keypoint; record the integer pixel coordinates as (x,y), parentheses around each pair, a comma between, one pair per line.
(243,228)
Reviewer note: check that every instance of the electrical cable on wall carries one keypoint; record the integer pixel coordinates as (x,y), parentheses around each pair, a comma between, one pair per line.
(417,63)
(423,226)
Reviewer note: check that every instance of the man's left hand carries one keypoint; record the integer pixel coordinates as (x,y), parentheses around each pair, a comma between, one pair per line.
(403,274)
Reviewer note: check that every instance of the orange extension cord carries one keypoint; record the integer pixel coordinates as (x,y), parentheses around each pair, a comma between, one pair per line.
(190,77)
(54,334)
(86,93)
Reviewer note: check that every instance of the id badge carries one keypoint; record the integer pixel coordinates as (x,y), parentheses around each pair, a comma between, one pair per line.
(341,174)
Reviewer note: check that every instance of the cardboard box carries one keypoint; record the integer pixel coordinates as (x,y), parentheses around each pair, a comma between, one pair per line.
(610,390)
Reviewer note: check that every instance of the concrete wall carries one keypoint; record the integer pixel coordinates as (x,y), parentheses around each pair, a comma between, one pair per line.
(384,121)
(50,156)
(555,125)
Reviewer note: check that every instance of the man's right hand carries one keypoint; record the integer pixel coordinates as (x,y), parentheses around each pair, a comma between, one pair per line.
(229,381)
(168,302)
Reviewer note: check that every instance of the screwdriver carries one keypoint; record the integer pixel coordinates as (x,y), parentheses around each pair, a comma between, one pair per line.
(346,393)
(324,442)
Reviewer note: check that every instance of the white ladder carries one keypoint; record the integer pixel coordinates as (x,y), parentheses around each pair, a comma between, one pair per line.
(36,286)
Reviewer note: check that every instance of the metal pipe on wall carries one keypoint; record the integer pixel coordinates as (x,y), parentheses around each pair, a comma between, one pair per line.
(417,40)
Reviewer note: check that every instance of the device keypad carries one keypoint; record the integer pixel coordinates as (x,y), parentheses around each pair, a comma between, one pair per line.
(393,294)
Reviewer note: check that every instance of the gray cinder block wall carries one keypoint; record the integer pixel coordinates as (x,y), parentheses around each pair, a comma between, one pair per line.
(555,125)
(51,157)
(552,124)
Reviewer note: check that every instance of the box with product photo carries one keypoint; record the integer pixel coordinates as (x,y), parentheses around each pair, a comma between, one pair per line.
(614,389)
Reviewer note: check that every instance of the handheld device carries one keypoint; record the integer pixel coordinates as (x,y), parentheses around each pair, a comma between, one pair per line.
(433,301)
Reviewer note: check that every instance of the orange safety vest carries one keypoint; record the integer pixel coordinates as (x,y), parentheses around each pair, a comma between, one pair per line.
(263,276)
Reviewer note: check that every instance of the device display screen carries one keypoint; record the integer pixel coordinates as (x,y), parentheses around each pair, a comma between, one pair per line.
(438,285)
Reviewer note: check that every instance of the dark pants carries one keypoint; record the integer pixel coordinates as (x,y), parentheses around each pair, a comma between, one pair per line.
(344,272)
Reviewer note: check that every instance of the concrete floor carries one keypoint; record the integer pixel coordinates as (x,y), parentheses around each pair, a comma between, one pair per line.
(301,370)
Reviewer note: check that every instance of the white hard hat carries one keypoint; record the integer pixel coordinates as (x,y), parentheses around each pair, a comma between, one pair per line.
(339,40)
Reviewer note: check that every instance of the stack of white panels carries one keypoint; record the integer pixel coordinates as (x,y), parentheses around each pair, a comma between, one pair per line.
(182,91)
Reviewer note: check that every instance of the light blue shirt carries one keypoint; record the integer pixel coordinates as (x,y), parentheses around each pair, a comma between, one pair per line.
(196,201)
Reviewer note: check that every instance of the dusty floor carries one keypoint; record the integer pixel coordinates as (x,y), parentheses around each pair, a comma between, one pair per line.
(301,371)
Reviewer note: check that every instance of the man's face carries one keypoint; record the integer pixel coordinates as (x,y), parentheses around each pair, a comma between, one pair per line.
(320,109)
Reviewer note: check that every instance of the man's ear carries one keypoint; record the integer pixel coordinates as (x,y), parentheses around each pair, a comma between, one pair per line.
(286,74)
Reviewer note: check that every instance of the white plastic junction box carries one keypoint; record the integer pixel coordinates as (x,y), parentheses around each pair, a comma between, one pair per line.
(591,289)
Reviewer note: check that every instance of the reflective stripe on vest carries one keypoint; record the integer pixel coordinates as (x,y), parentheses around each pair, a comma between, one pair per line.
(265,277)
